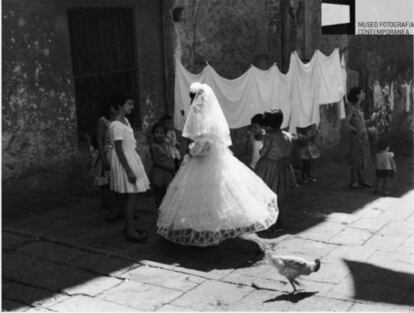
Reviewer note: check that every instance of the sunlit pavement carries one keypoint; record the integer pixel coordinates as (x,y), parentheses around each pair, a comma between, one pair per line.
(69,259)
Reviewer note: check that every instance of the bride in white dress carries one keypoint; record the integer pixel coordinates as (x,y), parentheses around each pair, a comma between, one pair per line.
(213,195)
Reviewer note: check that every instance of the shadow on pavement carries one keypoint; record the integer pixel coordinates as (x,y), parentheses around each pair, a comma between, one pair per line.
(378,284)
(292,297)
(311,204)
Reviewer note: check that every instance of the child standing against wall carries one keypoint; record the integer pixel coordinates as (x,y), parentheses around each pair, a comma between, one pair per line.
(385,166)
(163,164)
(254,140)
(308,151)
(171,139)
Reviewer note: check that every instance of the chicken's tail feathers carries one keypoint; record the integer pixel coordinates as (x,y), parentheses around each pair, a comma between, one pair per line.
(317,265)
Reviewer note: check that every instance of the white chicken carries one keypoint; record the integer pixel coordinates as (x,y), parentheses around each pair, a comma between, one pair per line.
(292,267)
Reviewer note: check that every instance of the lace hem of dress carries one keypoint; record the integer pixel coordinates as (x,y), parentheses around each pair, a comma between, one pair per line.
(191,237)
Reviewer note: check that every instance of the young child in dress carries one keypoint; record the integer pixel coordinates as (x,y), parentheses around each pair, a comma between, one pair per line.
(308,151)
(385,165)
(171,139)
(163,164)
(274,165)
(254,140)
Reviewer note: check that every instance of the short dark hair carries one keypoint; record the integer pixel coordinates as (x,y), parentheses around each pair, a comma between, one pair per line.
(257,119)
(119,98)
(157,125)
(273,119)
(353,94)
(382,144)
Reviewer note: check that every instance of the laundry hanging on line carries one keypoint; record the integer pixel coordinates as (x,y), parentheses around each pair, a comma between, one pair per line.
(299,93)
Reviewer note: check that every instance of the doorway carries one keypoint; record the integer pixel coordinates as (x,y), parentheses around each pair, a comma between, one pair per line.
(103,60)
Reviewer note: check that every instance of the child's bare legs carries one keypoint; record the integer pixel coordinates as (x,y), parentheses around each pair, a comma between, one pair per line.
(357,178)
(130,201)
(384,186)
(107,198)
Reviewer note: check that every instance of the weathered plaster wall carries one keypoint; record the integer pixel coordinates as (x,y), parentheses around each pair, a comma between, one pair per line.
(42,157)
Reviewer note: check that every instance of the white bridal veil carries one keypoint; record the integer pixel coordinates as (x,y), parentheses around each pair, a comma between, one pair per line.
(205,118)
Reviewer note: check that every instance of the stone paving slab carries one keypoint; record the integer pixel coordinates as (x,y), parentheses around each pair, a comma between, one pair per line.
(23,293)
(10,305)
(209,272)
(356,253)
(322,232)
(351,236)
(213,295)
(174,308)
(35,272)
(399,229)
(89,304)
(304,246)
(103,265)
(370,224)
(53,252)
(385,243)
(12,242)
(317,303)
(140,296)
(261,300)
(94,286)
(163,278)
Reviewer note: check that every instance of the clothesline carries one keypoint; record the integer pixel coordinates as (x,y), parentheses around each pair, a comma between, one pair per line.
(299,93)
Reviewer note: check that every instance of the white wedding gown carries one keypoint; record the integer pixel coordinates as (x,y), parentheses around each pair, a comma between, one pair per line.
(214,197)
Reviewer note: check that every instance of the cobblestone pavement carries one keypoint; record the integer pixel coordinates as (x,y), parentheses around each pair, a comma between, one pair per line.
(69,259)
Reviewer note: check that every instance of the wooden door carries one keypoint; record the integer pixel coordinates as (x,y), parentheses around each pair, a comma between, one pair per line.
(104,60)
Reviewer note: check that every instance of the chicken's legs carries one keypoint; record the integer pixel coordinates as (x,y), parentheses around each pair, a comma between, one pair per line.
(291,281)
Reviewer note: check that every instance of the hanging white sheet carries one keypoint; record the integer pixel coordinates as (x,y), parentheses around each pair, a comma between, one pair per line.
(298,93)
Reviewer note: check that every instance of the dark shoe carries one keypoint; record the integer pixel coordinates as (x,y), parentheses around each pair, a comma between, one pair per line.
(385,192)
(365,184)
